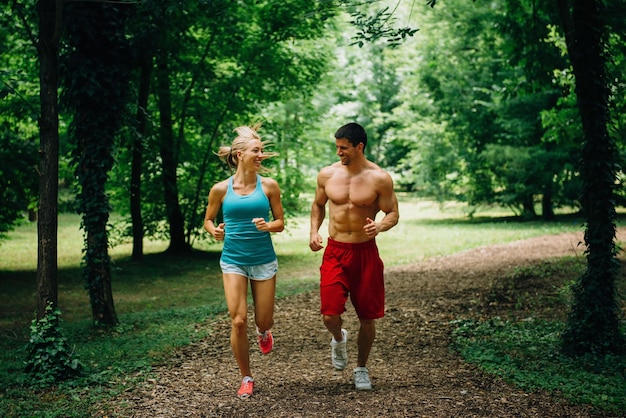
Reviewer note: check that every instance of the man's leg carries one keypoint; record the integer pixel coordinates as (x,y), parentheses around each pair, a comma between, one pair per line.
(338,344)
(365,340)
(333,325)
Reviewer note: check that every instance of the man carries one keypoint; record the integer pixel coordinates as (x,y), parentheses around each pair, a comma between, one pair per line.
(356,190)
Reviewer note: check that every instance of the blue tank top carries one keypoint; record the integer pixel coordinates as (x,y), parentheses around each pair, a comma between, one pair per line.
(244,245)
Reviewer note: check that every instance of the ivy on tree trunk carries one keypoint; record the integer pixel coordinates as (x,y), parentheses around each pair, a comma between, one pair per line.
(96,80)
(593,323)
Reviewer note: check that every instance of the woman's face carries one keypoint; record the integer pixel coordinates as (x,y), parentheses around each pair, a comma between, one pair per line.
(252,155)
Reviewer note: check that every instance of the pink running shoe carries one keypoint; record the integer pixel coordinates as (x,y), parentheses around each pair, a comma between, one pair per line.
(266,341)
(246,388)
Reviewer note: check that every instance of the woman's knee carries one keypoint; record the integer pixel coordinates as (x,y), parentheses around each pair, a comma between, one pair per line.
(240,323)
(264,322)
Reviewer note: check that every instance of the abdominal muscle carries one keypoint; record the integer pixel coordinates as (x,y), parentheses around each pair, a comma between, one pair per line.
(347,221)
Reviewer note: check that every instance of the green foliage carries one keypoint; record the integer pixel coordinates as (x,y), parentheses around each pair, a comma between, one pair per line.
(375,27)
(230,62)
(594,318)
(528,354)
(18,178)
(49,357)
(111,361)
(485,78)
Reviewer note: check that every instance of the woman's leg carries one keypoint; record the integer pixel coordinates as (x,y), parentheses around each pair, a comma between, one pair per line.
(263,293)
(236,293)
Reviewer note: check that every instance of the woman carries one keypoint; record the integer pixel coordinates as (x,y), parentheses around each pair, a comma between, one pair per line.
(246,199)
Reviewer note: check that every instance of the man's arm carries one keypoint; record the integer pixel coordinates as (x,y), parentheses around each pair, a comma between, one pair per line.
(318,213)
(388,204)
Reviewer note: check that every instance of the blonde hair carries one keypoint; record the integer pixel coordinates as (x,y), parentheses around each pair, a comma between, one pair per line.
(245,134)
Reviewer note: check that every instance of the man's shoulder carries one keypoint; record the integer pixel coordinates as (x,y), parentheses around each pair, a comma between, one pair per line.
(333,166)
(379,176)
(375,169)
(330,169)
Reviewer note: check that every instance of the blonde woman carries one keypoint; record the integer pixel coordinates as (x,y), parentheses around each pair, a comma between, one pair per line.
(246,200)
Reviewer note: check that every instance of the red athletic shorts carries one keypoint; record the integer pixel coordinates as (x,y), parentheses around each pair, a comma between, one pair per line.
(355,270)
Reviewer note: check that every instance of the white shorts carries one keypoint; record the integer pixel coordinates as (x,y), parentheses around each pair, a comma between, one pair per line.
(258,272)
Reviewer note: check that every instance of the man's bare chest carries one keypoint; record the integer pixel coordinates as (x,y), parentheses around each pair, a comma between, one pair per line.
(355,191)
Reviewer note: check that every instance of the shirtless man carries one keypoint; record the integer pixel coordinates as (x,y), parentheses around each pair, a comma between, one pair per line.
(356,190)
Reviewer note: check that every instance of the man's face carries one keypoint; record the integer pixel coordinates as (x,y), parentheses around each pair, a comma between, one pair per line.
(345,150)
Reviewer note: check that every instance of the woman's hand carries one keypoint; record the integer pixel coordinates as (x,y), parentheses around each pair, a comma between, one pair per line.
(261,224)
(219,232)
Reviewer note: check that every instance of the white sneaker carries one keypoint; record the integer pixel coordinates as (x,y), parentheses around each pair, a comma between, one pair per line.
(362,379)
(339,351)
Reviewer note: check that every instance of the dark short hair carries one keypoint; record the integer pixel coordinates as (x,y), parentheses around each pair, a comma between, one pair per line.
(354,133)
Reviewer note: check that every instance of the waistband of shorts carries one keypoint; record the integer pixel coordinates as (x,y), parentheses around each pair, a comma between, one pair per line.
(354,246)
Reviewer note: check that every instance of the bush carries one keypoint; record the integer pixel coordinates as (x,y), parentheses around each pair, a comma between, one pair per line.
(49,358)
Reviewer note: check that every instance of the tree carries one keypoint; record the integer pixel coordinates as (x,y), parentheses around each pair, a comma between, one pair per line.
(19,111)
(214,67)
(96,85)
(168,148)
(456,72)
(137,147)
(48,357)
(593,322)
(47,224)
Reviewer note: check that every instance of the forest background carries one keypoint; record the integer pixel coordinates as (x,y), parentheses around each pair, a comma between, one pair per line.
(472,102)
(476,104)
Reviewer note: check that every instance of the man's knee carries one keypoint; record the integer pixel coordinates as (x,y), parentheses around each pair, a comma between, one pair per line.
(331,319)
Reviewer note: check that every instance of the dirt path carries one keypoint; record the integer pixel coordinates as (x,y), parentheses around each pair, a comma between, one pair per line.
(413,371)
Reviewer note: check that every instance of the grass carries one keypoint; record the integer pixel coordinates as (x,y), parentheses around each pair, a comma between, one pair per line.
(523,345)
(526,353)
(166,302)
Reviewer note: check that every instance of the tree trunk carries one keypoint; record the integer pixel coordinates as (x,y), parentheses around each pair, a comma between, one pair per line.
(547,210)
(99,276)
(169,158)
(528,207)
(47,224)
(94,204)
(593,323)
(96,93)
(136,168)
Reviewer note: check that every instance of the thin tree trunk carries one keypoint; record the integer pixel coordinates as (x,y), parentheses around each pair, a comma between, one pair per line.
(47,224)
(169,159)
(528,207)
(136,168)
(547,211)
